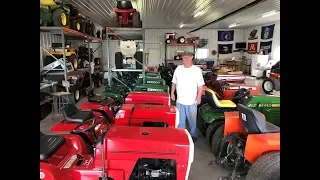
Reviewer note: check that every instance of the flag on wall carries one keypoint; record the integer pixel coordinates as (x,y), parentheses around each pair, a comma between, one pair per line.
(253,34)
(225,35)
(225,48)
(252,47)
(267,32)
(266,46)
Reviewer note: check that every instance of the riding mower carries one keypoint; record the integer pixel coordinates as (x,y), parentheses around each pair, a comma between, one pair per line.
(247,143)
(273,82)
(117,153)
(211,114)
(124,15)
(53,13)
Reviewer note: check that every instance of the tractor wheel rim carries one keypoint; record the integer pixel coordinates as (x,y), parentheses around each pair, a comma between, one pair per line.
(168,41)
(268,86)
(77,94)
(63,19)
(182,40)
(78,26)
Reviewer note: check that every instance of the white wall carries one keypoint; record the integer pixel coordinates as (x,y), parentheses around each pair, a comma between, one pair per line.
(275,51)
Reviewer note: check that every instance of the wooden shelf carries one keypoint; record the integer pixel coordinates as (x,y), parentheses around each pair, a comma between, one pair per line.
(180,44)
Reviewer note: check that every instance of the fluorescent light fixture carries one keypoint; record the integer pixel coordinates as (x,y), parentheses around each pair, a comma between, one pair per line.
(181,26)
(198,14)
(269,13)
(233,25)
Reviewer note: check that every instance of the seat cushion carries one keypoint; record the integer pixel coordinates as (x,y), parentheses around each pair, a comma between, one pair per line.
(226,104)
(81,116)
(49,145)
(271,128)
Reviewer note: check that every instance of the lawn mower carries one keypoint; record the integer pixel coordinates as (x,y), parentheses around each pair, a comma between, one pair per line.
(128,56)
(171,38)
(124,15)
(273,82)
(53,13)
(248,141)
(211,114)
(117,153)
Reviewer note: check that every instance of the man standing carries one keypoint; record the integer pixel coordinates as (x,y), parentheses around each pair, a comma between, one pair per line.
(188,81)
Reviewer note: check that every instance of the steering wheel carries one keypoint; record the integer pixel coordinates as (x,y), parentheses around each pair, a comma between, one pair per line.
(240,94)
(91,128)
(223,84)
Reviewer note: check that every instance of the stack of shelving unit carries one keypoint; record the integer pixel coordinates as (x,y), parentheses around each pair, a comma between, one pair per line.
(124,34)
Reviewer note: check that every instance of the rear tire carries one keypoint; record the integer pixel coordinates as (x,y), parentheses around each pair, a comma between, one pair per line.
(266,167)
(119,60)
(59,17)
(114,19)
(217,141)
(212,129)
(275,85)
(136,20)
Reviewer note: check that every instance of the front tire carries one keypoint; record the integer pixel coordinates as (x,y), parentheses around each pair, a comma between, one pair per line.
(270,84)
(59,18)
(212,129)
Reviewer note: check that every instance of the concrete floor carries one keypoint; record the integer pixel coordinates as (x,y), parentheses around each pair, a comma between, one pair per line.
(200,169)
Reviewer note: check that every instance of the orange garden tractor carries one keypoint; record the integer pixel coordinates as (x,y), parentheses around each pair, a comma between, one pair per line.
(249,145)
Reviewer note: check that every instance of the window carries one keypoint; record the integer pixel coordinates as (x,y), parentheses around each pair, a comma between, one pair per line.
(202,53)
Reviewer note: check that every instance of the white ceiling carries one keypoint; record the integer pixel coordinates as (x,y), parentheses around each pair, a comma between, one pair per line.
(171,13)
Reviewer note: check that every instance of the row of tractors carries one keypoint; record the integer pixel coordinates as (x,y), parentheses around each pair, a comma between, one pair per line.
(130,132)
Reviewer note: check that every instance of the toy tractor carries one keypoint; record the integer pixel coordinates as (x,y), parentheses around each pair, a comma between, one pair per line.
(124,15)
(273,82)
(53,13)
(211,114)
(117,152)
(128,56)
(244,142)
(171,38)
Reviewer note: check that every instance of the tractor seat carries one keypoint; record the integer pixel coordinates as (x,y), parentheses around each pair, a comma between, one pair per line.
(72,114)
(49,145)
(216,103)
(254,122)
(96,98)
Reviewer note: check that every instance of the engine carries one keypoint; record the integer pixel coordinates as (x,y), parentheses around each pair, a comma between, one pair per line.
(154,169)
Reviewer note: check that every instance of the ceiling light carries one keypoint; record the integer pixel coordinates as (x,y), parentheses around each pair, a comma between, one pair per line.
(181,25)
(198,14)
(233,25)
(269,13)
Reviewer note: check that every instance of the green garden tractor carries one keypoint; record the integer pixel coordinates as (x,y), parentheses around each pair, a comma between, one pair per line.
(211,114)
(53,13)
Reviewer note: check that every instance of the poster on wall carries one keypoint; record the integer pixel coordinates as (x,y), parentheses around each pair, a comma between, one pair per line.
(252,47)
(267,32)
(225,48)
(225,35)
(266,46)
(253,34)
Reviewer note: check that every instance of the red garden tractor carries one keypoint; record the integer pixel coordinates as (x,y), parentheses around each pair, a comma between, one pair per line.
(273,82)
(124,15)
(117,153)
(248,144)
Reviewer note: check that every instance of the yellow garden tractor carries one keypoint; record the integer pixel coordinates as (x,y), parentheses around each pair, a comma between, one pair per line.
(54,13)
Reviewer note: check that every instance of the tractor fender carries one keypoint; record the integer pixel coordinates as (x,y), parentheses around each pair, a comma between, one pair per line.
(209,116)
(259,144)
(52,172)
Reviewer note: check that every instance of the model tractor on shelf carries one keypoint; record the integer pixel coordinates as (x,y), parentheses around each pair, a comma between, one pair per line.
(211,114)
(53,13)
(171,38)
(124,15)
(244,145)
(273,82)
(128,56)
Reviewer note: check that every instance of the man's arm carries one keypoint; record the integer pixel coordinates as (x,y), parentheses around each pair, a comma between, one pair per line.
(173,85)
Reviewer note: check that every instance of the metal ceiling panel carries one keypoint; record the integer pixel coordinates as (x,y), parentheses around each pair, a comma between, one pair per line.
(172,13)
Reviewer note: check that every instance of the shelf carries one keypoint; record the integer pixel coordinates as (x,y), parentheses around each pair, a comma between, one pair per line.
(178,44)
(127,70)
(71,73)
(68,33)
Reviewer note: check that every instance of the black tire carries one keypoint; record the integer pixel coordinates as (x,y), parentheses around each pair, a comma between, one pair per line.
(75,95)
(168,41)
(93,30)
(275,85)
(74,61)
(98,34)
(114,19)
(81,23)
(56,17)
(73,24)
(139,57)
(140,24)
(216,142)
(181,40)
(124,4)
(266,167)
(212,129)
(119,60)
(201,125)
(136,20)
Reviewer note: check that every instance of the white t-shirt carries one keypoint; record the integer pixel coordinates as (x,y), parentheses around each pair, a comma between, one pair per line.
(187,81)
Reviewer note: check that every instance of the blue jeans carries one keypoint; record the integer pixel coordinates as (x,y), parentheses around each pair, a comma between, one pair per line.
(188,112)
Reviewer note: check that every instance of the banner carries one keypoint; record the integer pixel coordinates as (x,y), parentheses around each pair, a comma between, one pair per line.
(253,35)
(252,47)
(267,32)
(266,46)
(225,35)
(225,48)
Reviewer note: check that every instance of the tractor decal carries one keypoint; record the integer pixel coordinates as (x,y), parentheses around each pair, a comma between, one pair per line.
(42,175)
(151,89)
(153,82)
(70,162)
(263,105)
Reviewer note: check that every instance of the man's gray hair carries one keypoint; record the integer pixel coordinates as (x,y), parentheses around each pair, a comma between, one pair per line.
(187,53)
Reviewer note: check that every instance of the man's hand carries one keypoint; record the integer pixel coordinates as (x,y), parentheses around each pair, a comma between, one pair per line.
(173,97)
(198,100)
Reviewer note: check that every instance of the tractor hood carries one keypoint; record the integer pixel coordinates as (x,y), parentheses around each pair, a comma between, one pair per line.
(264,101)
(145,97)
